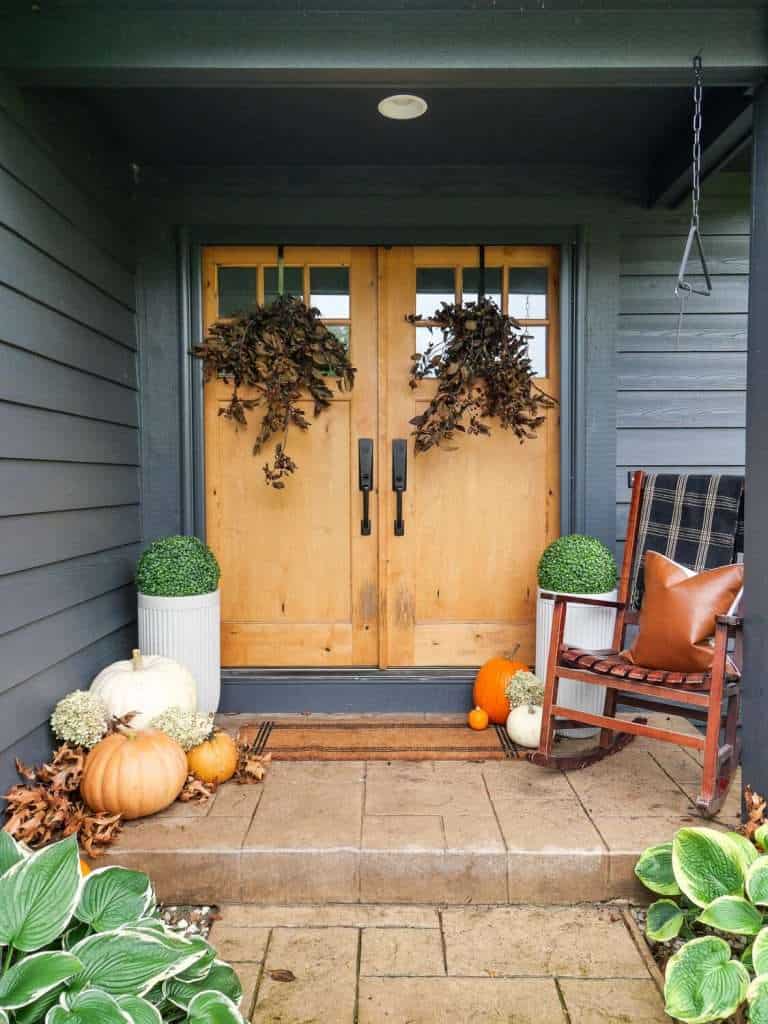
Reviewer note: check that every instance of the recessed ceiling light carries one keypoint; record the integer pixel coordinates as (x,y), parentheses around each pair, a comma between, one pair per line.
(402,107)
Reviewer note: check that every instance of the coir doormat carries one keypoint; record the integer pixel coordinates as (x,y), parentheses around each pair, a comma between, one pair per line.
(372,741)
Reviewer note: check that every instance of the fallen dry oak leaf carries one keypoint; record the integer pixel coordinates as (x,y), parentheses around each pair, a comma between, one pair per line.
(282,975)
(755,807)
(251,767)
(195,791)
(47,805)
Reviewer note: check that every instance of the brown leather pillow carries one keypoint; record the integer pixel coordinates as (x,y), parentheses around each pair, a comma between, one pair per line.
(677,617)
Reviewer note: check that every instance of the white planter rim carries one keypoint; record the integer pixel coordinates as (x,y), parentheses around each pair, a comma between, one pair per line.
(180,603)
(607,595)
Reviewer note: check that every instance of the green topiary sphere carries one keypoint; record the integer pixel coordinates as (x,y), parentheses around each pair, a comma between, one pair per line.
(577,565)
(177,567)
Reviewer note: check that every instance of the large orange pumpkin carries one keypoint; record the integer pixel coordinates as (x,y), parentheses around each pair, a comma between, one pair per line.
(490,684)
(214,760)
(133,773)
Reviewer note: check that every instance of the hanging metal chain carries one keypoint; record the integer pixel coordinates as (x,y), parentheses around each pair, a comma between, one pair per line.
(698,96)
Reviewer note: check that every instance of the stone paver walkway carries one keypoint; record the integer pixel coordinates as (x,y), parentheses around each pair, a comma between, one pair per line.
(432,832)
(406,964)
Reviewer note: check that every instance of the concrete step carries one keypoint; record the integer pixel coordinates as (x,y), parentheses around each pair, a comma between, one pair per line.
(431,832)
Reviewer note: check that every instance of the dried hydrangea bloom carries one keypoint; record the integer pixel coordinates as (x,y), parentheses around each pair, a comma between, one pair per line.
(188,728)
(524,688)
(80,718)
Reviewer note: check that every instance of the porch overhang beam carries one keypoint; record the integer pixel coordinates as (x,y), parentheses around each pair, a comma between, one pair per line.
(728,130)
(70,46)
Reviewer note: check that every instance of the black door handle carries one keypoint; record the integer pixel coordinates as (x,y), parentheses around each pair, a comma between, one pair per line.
(365,480)
(399,480)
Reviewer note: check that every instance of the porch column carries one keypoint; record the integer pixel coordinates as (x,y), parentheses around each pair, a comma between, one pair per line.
(755,712)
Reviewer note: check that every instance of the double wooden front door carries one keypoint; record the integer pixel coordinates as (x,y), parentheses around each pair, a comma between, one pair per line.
(302,583)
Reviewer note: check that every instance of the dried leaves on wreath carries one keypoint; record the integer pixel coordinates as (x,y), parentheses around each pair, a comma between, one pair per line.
(480,359)
(47,805)
(279,352)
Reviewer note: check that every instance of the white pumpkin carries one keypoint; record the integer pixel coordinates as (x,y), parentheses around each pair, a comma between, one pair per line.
(524,725)
(147,684)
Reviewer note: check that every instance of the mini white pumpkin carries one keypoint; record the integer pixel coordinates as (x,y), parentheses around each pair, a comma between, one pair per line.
(524,725)
(147,684)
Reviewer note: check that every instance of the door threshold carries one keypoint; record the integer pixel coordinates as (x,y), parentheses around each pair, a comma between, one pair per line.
(346,690)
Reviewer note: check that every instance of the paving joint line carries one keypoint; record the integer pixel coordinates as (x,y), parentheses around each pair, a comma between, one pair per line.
(561,997)
(260,976)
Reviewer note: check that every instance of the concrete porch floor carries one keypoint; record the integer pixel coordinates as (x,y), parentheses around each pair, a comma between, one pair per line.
(365,964)
(431,832)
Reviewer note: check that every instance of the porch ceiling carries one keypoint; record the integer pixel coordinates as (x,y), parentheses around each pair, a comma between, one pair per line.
(631,131)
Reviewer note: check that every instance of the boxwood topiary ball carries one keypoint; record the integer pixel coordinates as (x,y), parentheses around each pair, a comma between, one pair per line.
(177,567)
(577,565)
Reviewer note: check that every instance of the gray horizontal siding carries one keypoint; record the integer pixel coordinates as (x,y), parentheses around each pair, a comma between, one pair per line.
(680,402)
(70,523)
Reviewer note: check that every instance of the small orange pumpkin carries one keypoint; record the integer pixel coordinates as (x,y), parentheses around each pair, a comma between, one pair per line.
(490,684)
(477,719)
(214,760)
(133,773)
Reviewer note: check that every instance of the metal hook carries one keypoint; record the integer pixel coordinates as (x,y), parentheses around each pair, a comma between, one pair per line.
(683,285)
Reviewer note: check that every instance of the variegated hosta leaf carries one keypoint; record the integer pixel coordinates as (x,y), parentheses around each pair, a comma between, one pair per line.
(35,1013)
(732,914)
(3,1017)
(139,1010)
(10,852)
(702,982)
(76,931)
(761,837)
(760,952)
(88,1007)
(745,851)
(654,869)
(757,882)
(663,921)
(129,963)
(115,896)
(200,969)
(757,997)
(707,864)
(38,896)
(220,978)
(30,979)
(213,1008)
(746,958)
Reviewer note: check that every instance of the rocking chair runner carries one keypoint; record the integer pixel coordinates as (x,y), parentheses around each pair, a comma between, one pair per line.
(699,696)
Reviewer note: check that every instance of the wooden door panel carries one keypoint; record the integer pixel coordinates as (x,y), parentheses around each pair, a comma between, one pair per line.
(299,582)
(461,584)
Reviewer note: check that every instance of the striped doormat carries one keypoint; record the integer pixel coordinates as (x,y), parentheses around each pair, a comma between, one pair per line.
(373,741)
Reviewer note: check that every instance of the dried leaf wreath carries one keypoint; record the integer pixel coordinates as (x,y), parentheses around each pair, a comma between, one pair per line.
(483,370)
(281,351)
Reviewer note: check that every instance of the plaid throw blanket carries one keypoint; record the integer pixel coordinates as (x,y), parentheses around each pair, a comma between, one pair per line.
(697,521)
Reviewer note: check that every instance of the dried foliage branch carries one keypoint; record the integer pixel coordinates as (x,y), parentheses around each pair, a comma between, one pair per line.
(47,805)
(483,369)
(281,351)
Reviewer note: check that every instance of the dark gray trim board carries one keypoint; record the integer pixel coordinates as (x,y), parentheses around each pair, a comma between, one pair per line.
(355,691)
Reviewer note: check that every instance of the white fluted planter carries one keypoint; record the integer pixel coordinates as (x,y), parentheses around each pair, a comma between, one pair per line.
(188,630)
(585,626)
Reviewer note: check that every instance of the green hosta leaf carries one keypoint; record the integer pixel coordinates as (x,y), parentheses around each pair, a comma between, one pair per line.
(746,958)
(664,920)
(88,1007)
(757,882)
(732,914)
(10,852)
(761,837)
(744,850)
(115,896)
(654,869)
(3,1017)
(139,1010)
(220,978)
(703,983)
(201,968)
(38,896)
(30,979)
(130,963)
(35,1012)
(213,1008)
(760,952)
(757,997)
(706,865)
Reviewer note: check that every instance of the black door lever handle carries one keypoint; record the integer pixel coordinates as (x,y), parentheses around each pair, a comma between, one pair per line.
(399,480)
(365,480)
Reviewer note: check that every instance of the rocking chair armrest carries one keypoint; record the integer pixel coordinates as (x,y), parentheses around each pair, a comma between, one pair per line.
(582,599)
(732,621)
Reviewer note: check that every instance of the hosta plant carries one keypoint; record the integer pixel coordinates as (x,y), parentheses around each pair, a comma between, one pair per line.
(708,882)
(92,950)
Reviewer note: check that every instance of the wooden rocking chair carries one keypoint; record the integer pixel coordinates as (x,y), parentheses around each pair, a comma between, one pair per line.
(699,696)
